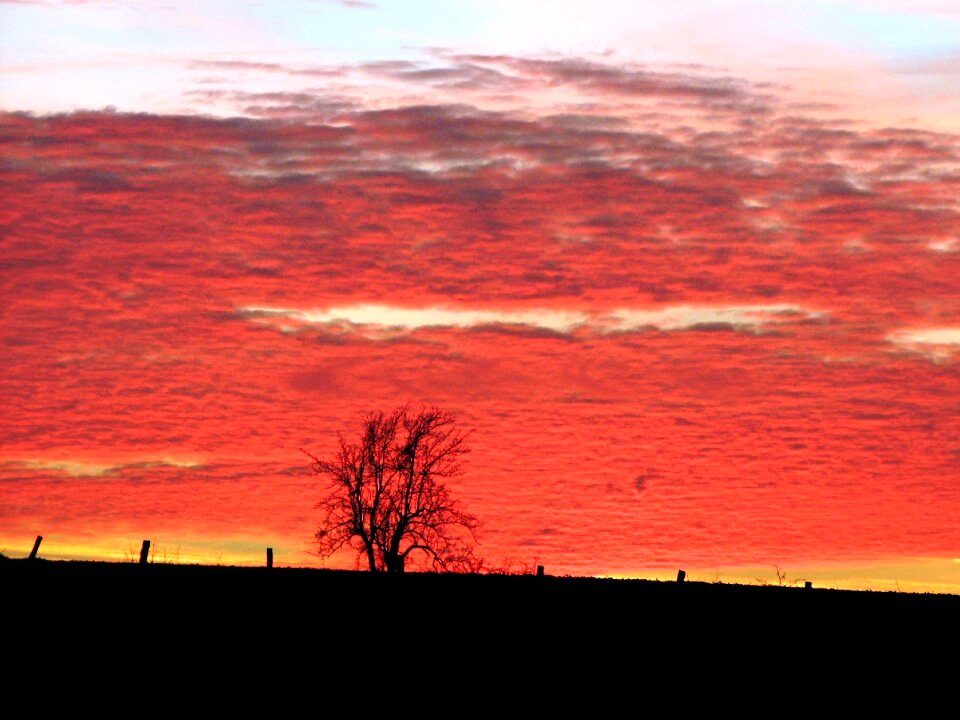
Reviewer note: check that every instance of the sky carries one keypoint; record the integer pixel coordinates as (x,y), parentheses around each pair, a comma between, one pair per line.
(686,272)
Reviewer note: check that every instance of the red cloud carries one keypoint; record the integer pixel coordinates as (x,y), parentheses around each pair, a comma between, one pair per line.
(132,243)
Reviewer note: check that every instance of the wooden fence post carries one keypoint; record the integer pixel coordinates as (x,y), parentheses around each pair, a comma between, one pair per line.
(539,570)
(145,552)
(681,575)
(36,547)
(269,557)
(807,584)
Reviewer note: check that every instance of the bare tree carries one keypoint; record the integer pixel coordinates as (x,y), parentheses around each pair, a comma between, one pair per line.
(386,497)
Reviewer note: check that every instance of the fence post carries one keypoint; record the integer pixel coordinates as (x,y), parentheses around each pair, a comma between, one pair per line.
(36,547)
(807,584)
(269,557)
(681,575)
(145,552)
(539,570)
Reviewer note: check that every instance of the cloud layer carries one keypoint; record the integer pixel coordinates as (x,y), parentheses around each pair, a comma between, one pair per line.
(681,280)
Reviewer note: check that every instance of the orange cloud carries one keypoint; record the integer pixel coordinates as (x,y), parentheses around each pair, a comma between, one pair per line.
(740,314)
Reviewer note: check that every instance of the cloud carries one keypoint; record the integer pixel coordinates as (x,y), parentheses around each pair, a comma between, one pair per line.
(938,344)
(459,76)
(245,66)
(409,319)
(685,317)
(602,78)
(602,266)
(948,245)
(493,82)
(79,468)
(382,319)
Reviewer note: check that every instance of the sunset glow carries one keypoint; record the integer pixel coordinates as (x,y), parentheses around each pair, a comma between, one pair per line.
(688,273)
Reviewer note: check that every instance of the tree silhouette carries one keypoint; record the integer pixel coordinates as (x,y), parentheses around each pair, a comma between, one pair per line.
(386,498)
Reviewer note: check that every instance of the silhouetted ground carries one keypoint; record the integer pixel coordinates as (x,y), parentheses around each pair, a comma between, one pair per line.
(177,591)
(306,623)
(252,641)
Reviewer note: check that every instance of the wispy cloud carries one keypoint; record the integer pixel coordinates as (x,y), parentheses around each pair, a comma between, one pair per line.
(685,317)
(246,66)
(938,344)
(392,318)
(948,245)
(84,468)
(401,318)
(493,82)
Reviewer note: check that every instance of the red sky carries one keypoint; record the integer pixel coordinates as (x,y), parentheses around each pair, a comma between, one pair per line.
(688,321)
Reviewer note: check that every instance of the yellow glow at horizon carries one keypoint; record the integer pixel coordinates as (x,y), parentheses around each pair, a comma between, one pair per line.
(123,549)
(915,575)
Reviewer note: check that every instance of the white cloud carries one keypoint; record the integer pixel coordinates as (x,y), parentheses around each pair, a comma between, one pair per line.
(944,246)
(387,319)
(932,336)
(406,319)
(936,343)
(682,317)
(75,468)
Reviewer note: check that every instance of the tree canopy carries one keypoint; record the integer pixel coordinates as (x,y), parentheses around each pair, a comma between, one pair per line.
(387,498)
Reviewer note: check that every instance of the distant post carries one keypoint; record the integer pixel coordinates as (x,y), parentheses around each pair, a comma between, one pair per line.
(145,552)
(681,575)
(36,547)
(539,570)
(807,584)
(269,557)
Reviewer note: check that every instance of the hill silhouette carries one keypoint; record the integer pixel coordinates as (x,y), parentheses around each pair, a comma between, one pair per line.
(156,596)
(239,631)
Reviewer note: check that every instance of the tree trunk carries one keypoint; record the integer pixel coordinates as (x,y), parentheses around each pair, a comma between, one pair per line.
(394,562)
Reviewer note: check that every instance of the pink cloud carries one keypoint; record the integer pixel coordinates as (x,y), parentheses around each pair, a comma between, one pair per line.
(782,400)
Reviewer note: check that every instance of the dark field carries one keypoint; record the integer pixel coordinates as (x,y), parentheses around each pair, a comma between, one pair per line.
(239,633)
(159,597)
